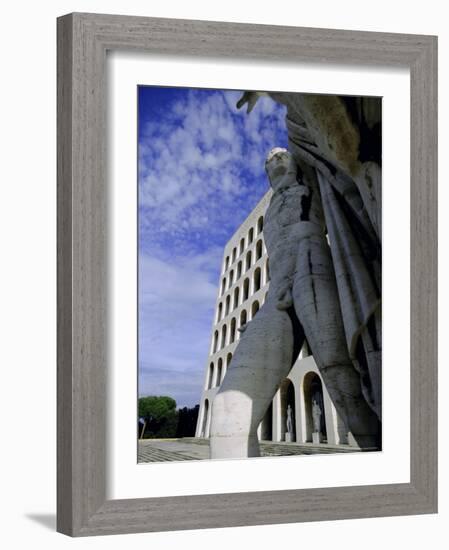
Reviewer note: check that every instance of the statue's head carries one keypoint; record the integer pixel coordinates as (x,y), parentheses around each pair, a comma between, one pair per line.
(276,165)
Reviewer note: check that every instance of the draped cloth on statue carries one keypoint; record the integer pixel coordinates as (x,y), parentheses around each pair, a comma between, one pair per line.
(350,195)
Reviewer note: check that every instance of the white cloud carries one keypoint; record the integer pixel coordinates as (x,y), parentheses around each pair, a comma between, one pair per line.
(201,171)
(201,154)
(176,300)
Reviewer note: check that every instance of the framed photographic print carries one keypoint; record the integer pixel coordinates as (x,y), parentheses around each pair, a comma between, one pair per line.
(209,196)
(246,274)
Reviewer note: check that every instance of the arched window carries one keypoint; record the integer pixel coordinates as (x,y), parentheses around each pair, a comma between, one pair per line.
(313,392)
(260,225)
(239,270)
(205,419)
(266,426)
(231,278)
(248,260)
(228,303)
(259,249)
(210,375)
(223,336)
(223,286)
(242,245)
(215,345)
(254,309)
(226,263)
(219,371)
(243,318)
(219,312)
(257,279)
(250,235)
(245,289)
(232,331)
(228,360)
(234,254)
(287,399)
(236,297)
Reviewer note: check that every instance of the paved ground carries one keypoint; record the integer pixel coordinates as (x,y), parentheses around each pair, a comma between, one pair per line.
(190,448)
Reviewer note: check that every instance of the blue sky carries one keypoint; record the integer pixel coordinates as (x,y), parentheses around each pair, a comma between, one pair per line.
(201,172)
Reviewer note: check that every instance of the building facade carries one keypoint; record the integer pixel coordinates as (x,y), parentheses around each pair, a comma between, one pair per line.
(242,291)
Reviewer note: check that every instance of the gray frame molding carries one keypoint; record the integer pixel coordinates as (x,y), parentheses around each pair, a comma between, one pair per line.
(83,40)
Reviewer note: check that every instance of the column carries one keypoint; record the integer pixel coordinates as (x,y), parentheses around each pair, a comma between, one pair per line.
(300,413)
(330,416)
(277,417)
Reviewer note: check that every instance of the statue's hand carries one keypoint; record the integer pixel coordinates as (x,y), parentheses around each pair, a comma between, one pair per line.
(285,299)
(250,98)
(242,328)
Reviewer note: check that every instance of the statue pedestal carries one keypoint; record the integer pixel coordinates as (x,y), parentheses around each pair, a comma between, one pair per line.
(289,438)
(316,438)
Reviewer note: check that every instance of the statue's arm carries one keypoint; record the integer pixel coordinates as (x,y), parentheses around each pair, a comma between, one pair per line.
(282,250)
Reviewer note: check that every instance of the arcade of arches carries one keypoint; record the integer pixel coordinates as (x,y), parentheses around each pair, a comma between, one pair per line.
(299,390)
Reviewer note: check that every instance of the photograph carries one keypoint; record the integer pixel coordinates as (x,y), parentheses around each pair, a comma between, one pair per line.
(259,274)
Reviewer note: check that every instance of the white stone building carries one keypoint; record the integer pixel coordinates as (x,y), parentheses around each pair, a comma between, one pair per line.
(242,291)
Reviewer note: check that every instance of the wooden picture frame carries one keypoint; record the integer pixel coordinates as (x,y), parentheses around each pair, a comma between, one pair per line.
(83,40)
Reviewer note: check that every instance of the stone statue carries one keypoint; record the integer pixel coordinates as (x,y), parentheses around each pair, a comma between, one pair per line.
(289,420)
(303,290)
(336,142)
(316,416)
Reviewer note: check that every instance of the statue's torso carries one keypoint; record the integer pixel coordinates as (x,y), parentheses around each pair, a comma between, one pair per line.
(294,213)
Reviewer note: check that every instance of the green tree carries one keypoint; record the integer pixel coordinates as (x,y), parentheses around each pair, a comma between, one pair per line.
(159,414)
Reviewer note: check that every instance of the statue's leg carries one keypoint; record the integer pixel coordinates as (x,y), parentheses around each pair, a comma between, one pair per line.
(317,306)
(261,360)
